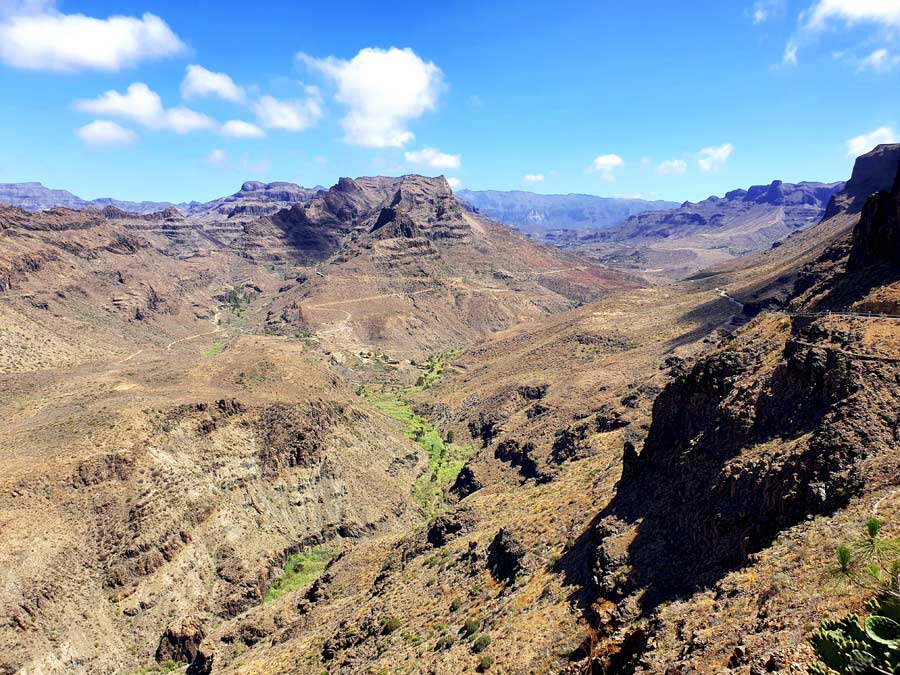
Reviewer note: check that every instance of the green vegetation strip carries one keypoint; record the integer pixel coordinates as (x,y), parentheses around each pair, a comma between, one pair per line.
(215,348)
(445,460)
(300,570)
(435,368)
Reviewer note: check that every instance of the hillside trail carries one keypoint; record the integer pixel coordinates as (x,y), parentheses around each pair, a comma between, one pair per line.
(169,346)
(344,324)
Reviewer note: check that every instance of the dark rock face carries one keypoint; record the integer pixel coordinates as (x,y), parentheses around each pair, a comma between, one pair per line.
(872,172)
(202,663)
(181,641)
(448,526)
(465,484)
(296,435)
(876,238)
(506,556)
(519,456)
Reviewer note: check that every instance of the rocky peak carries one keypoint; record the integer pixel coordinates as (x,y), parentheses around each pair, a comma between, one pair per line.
(872,172)
(876,237)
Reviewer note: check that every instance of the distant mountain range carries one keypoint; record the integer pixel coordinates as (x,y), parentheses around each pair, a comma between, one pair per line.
(37,197)
(676,242)
(538,214)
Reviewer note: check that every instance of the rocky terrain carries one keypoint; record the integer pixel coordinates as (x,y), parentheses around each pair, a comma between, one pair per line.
(549,217)
(376,432)
(675,243)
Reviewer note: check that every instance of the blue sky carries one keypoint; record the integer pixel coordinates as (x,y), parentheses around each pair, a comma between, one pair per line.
(178,101)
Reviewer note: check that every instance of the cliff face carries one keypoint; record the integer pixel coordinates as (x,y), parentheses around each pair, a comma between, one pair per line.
(790,418)
(872,172)
(876,240)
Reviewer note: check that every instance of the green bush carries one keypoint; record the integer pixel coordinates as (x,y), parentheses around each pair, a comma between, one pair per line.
(390,624)
(481,643)
(486,662)
(471,626)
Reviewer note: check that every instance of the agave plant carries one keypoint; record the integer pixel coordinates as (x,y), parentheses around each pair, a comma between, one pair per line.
(850,646)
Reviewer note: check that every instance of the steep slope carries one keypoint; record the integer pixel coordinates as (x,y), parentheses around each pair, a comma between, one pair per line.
(400,266)
(540,215)
(673,244)
(658,489)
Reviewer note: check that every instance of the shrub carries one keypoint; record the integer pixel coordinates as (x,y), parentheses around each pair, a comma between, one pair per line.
(455,605)
(471,626)
(485,664)
(481,643)
(445,642)
(390,624)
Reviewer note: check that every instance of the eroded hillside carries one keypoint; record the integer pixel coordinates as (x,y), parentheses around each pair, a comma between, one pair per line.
(255,469)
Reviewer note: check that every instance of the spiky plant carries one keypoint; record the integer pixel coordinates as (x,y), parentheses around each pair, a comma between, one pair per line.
(850,646)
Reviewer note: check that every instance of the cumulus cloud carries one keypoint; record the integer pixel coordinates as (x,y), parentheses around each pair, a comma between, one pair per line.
(144,106)
(293,115)
(34,36)
(714,158)
(860,145)
(199,83)
(433,159)
(672,166)
(383,90)
(241,129)
(454,183)
(105,134)
(825,12)
(605,165)
(533,178)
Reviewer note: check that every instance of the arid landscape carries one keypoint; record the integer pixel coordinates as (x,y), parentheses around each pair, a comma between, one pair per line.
(506,455)
(451,339)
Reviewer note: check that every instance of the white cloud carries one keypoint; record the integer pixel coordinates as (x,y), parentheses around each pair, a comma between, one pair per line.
(105,134)
(823,12)
(880,60)
(433,159)
(790,54)
(714,158)
(383,89)
(218,158)
(144,106)
(605,165)
(860,145)
(35,36)
(672,166)
(827,14)
(294,115)
(533,178)
(241,129)
(454,183)
(199,82)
